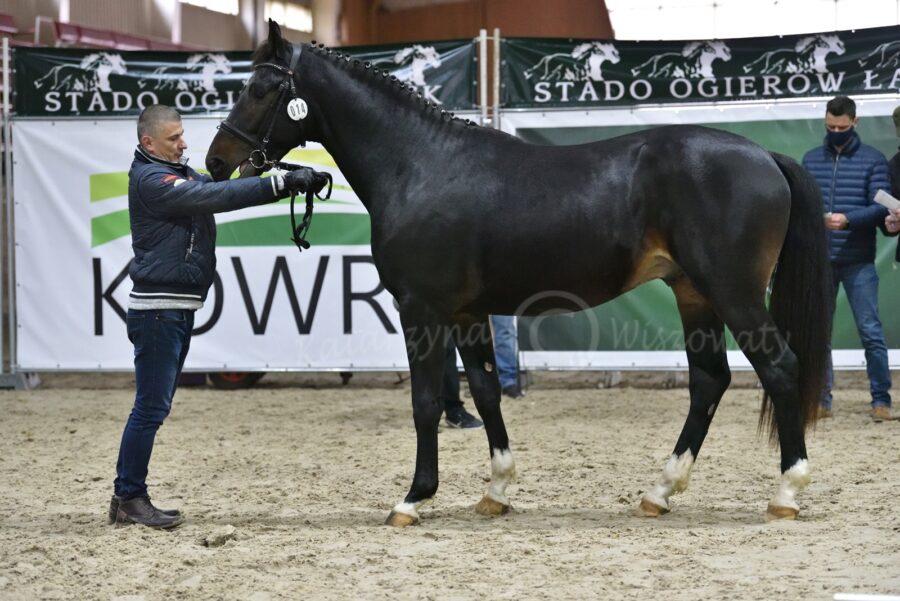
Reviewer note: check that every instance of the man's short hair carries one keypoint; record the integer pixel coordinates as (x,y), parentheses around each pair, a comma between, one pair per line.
(841,105)
(151,118)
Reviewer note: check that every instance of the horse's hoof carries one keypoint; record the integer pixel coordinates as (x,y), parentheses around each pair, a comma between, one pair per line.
(780,512)
(489,507)
(401,520)
(649,509)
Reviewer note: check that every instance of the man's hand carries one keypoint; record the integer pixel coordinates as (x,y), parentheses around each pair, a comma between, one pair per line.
(892,221)
(836,221)
(305,180)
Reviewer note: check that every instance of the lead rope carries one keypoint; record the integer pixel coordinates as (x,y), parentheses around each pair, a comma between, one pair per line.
(299,237)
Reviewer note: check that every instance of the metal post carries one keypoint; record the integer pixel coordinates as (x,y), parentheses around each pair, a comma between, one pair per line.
(38,20)
(8,379)
(496,119)
(482,75)
(6,182)
(11,379)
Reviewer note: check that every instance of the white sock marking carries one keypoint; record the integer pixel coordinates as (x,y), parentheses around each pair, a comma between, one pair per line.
(503,472)
(792,481)
(674,479)
(410,509)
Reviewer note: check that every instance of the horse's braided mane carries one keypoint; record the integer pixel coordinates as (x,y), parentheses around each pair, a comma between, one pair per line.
(371,74)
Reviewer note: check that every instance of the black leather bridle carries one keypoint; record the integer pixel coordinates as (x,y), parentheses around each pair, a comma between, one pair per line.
(258,158)
(287,91)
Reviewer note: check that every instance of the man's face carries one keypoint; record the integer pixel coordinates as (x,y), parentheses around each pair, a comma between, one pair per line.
(842,123)
(167,142)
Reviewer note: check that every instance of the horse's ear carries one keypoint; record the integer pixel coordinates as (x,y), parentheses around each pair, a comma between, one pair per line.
(276,42)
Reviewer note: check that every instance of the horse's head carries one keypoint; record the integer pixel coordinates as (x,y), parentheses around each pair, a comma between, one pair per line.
(270,117)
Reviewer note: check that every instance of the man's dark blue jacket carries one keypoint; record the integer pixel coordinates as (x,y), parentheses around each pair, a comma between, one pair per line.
(173,232)
(849,180)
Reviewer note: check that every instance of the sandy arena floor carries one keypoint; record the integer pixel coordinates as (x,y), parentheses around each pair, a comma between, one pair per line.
(307,476)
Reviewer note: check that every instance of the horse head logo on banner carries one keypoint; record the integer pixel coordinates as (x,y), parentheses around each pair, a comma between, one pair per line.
(694,62)
(410,64)
(584,63)
(198,74)
(807,56)
(91,75)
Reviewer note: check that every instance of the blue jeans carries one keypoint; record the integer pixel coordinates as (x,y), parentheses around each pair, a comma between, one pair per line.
(860,282)
(161,341)
(505,349)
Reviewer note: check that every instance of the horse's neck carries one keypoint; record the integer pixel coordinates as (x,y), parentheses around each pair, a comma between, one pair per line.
(373,134)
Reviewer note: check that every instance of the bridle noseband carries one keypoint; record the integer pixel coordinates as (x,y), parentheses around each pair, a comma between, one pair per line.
(258,158)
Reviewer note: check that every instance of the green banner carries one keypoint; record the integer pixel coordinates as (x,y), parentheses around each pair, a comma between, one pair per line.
(557,72)
(647,319)
(89,83)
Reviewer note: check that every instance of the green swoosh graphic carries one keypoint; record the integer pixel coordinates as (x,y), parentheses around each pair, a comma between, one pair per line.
(109,227)
(104,186)
(326,229)
(331,228)
(314,156)
(274,230)
(108,185)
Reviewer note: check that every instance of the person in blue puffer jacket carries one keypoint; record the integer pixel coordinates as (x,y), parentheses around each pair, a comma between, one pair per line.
(849,174)
(173,235)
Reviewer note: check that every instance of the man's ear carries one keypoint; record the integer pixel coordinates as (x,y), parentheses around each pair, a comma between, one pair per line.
(276,42)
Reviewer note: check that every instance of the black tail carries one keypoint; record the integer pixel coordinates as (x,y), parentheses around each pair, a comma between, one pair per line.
(802,294)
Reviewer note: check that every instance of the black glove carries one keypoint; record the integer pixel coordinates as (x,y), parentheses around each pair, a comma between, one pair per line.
(304,180)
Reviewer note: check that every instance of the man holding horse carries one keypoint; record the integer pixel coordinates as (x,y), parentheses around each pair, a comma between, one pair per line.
(849,174)
(173,233)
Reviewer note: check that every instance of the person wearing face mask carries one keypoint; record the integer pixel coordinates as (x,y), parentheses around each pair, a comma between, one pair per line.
(849,174)
(173,236)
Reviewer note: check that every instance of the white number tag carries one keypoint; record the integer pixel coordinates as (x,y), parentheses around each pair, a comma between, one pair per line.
(297,109)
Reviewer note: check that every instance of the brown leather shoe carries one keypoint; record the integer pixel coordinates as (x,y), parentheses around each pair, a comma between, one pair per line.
(825,413)
(140,510)
(882,413)
(114,508)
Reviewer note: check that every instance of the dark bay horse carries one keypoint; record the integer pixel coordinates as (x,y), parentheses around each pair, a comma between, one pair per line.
(468,221)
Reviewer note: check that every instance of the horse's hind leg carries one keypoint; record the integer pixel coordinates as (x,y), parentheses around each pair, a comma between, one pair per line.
(477,352)
(426,344)
(709,377)
(778,370)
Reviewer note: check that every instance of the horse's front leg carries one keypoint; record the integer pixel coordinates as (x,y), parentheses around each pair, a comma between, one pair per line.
(476,348)
(426,344)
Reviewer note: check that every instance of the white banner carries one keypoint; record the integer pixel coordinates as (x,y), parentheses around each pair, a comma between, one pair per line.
(273,308)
